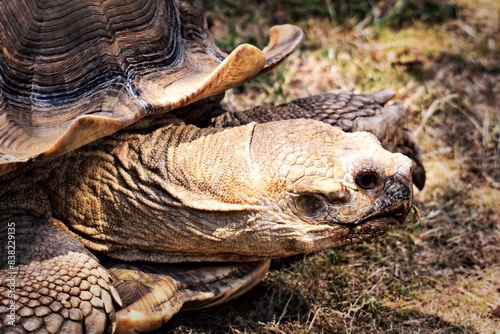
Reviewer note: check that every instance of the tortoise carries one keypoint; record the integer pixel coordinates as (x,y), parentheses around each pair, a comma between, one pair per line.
(127,192)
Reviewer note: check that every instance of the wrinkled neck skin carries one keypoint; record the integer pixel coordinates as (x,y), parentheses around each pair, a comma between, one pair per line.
(178,193)
(161,195)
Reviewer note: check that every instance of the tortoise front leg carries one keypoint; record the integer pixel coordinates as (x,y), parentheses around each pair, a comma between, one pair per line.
(152,293)
(50,283)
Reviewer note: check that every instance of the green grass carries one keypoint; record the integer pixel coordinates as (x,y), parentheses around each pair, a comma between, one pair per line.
(437,275)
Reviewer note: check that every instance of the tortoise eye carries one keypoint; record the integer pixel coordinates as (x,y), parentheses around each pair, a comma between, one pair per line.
(310,206)
(367,180)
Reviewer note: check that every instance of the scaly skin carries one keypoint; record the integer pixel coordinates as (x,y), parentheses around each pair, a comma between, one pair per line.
(166,192)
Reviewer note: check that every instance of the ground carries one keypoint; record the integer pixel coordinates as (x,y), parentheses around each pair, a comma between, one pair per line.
(439,274)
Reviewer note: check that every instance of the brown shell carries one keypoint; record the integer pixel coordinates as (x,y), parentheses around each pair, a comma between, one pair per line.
(75,71)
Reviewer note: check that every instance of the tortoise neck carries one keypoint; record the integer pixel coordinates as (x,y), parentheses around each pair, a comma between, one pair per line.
(142,191)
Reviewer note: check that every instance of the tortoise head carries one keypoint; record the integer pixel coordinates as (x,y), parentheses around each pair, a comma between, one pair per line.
(327,188)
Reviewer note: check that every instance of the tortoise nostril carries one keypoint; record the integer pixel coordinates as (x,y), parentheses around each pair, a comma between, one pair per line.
(367,180)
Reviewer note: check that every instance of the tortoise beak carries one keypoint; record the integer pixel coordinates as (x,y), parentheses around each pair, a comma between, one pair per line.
(393,202)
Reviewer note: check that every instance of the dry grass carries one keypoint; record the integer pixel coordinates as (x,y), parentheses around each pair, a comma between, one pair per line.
(439,275)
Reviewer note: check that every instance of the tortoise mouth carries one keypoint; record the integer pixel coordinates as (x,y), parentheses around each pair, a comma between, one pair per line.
(390,216)
(379,219)
(366,229)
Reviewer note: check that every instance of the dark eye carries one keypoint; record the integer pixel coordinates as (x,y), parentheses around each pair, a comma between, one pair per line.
(310,206)
(367,180)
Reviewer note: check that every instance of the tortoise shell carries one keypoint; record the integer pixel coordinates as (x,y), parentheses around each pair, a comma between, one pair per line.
(75,71)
